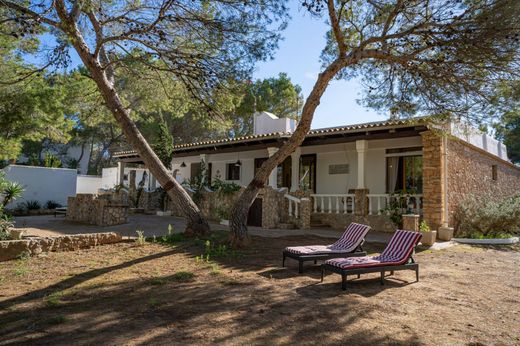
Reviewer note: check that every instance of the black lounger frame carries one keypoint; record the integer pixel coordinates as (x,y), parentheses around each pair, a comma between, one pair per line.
(410,265)
(358,252)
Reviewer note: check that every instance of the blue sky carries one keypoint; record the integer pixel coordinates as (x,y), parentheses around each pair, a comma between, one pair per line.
(298,56)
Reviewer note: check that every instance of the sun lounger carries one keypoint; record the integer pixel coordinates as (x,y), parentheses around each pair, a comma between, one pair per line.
(350,244)
(398,255)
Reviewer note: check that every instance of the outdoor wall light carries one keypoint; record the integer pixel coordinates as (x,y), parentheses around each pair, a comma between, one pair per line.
(183,164)
(238,163)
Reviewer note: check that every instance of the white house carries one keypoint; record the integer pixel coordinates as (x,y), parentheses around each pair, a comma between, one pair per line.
(380,158)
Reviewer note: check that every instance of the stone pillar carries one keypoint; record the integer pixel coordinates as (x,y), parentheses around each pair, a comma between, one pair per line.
(360,202)
(270,208)
(411,222)
(433,179)
(120,173)
(305,213)
(295,169)
(131,181)
(274,174)
(361,148)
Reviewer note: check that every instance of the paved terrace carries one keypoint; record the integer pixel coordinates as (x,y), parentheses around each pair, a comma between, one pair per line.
(48,225)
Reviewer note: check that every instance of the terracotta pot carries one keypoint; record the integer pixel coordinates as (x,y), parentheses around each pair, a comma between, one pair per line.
(428,238)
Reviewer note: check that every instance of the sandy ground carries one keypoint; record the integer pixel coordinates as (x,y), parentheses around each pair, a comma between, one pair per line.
(125,294)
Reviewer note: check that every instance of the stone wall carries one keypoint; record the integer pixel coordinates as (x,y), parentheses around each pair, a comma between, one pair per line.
(273,207)
(11,249)
(470,173)
(150,200)
(100,210)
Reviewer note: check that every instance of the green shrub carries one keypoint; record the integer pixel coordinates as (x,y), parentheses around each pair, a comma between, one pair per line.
(487,216)
(52,205)
(183,276)
(423,226)
(10,191)
(223,187)
(395,209)
(32,205)
(171,238)
(6,223)
(141,239)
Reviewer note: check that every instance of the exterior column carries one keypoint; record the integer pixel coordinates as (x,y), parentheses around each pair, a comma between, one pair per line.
(433,179)
(295,169)
(273,177)
(120,173)
(361,148)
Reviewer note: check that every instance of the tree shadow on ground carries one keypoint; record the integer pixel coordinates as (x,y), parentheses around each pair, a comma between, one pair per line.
(257,308)
(78,279)
(191,312)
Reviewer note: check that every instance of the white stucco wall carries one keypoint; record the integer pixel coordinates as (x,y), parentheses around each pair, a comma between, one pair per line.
(88,183)
(219,163)
(265,122)
(344,153)
(110,177)
(43,184)
(479,139)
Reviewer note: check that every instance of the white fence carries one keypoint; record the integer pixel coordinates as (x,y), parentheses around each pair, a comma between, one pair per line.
(378,202)
(294,206)
(330,203)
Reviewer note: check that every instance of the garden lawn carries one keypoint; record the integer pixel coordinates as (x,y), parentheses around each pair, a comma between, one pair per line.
(162,294)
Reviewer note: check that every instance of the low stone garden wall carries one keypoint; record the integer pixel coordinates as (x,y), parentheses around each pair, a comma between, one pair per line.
(11,249)
(100,210)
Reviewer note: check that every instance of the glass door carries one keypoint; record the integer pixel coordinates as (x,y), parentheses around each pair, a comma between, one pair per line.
(308,172)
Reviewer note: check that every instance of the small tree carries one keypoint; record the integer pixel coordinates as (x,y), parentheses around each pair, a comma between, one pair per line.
(416,57)
(163,145)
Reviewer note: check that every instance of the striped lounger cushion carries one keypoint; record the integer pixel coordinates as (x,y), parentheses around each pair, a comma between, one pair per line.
(396,252)
(349,241)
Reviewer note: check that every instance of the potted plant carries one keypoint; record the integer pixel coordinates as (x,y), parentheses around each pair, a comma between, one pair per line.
(428,236)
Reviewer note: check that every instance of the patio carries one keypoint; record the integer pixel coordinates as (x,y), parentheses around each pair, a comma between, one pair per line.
(47,225)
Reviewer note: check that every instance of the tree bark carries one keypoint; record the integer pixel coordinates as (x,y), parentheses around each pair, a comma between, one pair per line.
(238,222)
(196,224)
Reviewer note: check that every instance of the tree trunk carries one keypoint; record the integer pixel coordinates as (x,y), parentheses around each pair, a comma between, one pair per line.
(196,224)
(238,222)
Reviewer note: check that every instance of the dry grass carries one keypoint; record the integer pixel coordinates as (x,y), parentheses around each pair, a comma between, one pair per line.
(156,294)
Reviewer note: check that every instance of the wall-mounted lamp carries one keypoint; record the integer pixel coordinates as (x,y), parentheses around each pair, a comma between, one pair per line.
(183,164)
(238,163)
